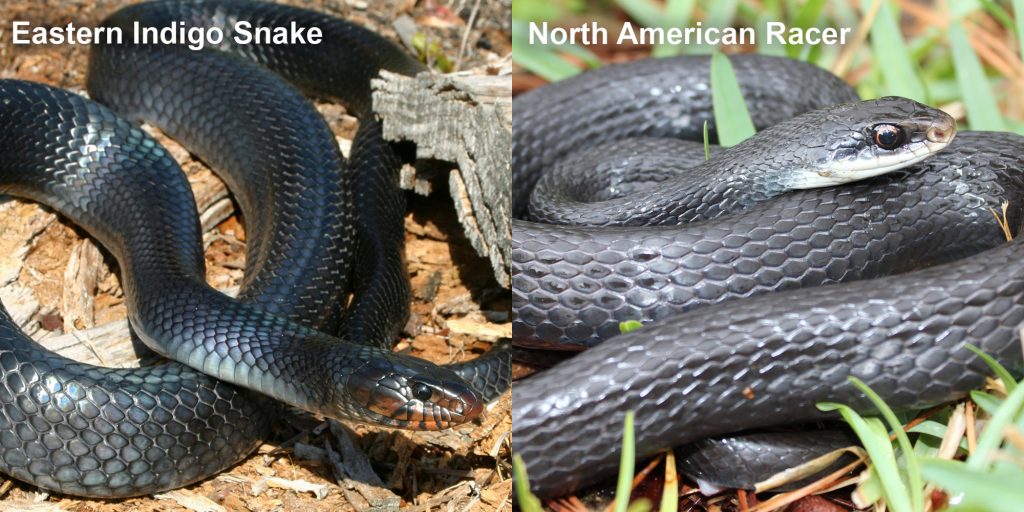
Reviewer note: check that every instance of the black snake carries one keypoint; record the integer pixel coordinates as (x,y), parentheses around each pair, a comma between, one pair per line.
(695,371)
(318,229)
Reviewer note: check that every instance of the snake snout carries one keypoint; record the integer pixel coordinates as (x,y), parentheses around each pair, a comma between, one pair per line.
(942,131)
(469,405)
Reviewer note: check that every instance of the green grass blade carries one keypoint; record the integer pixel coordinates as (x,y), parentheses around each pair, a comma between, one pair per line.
(772,8)
(1018,11)
(588,57)
(921,47)
(775,50)
(925,447)
(707,144)
(807,17)
(998,13)
(934,429)
(986,401)
(644,12)
(914,480)
(843,14)
(537,10)
(963,8)
(627,464)
(931,428)
(944,90)
(992,436)
(720,14)
(766,15)
(539,59)
(891,55)
(678,13)
(732,119)
(746,13)
(525,499)
(998,369)
(812,53)
(873,434)
(544,63)
(979,99)
(1016,126)
(809,13)
(999,491)
(640,505)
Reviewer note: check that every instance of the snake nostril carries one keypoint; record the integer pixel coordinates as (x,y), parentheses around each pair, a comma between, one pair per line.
(937,134)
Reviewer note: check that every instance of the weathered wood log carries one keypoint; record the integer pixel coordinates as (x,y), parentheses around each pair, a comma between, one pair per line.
(464,118)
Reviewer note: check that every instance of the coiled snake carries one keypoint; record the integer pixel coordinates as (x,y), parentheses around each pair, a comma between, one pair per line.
(318,229)
(732,343)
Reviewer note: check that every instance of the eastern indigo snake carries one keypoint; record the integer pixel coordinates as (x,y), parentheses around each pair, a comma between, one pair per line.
(318,229)
(731,343)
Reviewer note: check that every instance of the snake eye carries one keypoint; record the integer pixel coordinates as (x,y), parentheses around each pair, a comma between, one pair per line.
(888,136)
(422,392)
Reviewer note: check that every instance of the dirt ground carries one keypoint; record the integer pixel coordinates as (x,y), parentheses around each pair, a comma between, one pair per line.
(56,283)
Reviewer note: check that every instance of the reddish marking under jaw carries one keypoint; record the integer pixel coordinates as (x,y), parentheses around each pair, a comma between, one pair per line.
(385,404)
(429,417)
(415,413)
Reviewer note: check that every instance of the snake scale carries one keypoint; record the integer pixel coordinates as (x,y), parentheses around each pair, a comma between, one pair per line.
(755,310)
(319,229)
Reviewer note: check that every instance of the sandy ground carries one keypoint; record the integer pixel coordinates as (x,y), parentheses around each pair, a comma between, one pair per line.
(463,469)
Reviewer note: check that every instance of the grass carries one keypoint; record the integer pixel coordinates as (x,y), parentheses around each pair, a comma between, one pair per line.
(732,121)
(902,487)
(989,479)
(963,56)
(901,476)
(527,502)
(627,462)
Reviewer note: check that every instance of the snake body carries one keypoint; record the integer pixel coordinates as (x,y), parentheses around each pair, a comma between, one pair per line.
(697,372)
(573,285)
(318,228)
(667,98)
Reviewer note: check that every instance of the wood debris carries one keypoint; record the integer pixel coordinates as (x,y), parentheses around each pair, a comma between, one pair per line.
(318,490)
(191,501)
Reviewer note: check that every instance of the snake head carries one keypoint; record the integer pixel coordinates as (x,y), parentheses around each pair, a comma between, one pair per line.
(853,141)
(404,392)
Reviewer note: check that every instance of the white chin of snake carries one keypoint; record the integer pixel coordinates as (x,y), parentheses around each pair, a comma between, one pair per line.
(847,172)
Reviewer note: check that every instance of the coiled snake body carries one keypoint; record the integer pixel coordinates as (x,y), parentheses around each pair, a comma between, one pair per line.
(697,372)
(318,229)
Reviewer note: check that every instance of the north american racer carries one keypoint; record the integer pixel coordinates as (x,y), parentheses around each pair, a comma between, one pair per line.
(768,359)
(83,430)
